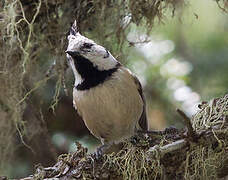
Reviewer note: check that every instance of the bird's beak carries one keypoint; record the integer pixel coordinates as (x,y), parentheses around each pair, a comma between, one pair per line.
(72,53)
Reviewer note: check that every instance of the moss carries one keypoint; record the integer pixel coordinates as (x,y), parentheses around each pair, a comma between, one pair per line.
(212,113)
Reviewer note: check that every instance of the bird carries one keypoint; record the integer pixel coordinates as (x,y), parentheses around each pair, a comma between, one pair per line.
(107,95)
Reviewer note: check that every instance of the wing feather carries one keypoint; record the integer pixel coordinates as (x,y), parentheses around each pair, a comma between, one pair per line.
(143,123)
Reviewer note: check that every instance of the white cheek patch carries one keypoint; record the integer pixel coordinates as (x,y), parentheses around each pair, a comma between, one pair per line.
(76,42)
(99,57)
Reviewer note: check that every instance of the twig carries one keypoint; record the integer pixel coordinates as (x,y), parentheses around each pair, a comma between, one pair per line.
(177,145)
(50,69)
(154,132)
(191,133)
(168,130)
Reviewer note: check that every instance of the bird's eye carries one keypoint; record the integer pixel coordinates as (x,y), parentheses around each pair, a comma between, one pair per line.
(87,45)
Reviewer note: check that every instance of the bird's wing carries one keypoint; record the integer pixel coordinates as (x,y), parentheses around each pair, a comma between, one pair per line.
(143,123)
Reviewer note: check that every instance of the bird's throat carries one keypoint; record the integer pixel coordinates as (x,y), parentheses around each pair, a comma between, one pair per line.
(90,74)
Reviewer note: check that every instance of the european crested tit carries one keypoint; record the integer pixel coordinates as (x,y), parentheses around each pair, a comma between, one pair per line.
(107,95)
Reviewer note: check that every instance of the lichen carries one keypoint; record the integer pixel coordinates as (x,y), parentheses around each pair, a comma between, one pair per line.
(152,157)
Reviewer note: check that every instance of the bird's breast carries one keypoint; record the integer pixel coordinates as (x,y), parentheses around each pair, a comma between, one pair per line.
(111,109)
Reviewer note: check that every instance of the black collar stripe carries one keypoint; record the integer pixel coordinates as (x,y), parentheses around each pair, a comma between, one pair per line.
(90,74)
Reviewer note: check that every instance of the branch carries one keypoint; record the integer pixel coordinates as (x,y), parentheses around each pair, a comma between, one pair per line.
(171,155)
(191,133)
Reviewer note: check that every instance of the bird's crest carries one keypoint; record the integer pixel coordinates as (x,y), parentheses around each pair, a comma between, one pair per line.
(74,29)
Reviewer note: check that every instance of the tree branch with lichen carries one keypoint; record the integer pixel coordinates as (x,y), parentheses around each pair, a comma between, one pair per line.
(173,154)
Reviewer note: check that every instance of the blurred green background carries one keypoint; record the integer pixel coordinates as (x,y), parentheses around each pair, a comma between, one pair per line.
(184,62)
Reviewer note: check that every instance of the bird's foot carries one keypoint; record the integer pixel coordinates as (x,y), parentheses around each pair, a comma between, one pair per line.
(107,149)
(134,140)
(100,151)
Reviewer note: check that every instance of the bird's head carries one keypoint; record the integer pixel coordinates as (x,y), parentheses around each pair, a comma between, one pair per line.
(79,45)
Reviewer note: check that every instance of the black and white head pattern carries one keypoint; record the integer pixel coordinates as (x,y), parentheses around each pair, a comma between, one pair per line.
(91,63)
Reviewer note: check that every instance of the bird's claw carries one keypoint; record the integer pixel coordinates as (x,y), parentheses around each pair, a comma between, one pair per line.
(134,140)
(98,154)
